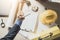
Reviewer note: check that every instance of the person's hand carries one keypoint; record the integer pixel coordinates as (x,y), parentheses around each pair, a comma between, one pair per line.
(21,16)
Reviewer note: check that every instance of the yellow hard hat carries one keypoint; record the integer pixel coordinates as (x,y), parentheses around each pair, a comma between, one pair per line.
(48,17)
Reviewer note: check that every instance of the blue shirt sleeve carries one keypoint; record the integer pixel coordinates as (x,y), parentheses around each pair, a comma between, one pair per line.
(18,22)
(13,31)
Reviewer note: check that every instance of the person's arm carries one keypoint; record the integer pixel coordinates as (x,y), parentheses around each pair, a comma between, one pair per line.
(14,30)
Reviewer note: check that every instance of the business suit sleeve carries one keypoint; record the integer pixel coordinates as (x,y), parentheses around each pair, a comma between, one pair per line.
(13,32)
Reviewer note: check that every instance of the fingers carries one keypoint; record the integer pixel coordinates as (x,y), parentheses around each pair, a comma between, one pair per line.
(21,16)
